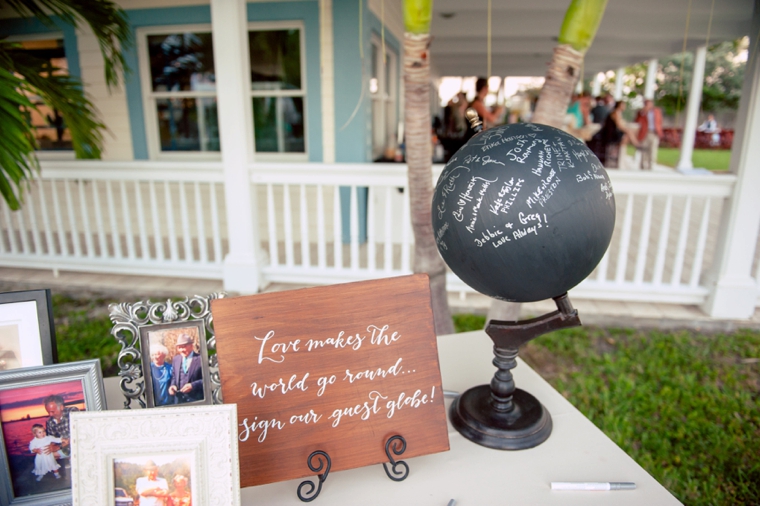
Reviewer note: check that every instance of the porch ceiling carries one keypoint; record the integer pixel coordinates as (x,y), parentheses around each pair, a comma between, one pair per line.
(524,33)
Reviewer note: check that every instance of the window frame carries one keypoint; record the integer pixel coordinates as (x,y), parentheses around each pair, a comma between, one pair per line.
(63,154)
(261,26)
(386,97)
(149,96)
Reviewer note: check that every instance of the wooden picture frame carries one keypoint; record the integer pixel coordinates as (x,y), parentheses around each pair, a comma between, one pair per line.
(26,396)
(27,332)
(133,320)
(165,337)
(196,442)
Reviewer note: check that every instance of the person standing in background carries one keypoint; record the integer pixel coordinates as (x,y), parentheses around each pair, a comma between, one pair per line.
(649,120)
(710,126)
(601,110)
(488,118)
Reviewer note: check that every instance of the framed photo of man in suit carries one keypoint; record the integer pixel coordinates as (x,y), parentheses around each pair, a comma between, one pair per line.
(175,364)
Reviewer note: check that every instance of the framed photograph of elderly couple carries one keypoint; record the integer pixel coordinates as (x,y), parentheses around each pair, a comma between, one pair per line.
(175,364)
(36,404)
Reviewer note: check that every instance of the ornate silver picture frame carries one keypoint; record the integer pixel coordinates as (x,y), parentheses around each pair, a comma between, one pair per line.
(175,363)
(133,320)
(36,404)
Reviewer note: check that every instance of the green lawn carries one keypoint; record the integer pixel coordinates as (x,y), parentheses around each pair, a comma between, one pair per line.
(685,406)
(82,331)
(711,159)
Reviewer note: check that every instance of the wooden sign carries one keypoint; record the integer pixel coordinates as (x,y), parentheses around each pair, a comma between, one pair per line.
(339,368)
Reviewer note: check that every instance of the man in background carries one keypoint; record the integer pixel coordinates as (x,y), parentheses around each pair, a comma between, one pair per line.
(602,109)
(649,120)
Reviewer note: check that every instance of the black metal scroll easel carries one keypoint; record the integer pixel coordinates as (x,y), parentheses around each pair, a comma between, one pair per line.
(399,470)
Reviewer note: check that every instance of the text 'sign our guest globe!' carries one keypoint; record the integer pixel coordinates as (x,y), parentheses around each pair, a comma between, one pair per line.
(523,212)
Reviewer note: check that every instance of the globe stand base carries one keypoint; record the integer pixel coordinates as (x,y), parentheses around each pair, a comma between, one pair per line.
(529,423)
(499,415)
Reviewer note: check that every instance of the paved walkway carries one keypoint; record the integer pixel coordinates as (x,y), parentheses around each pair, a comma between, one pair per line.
(124,288)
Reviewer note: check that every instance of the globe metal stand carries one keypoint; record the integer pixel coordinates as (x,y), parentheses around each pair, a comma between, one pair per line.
(499,415)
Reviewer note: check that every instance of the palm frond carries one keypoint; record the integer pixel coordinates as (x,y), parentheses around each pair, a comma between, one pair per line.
(106,19)
(17,144)
(61,92)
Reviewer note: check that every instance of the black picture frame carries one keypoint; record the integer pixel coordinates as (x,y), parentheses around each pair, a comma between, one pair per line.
(48,352)
(166,334)
(22,396)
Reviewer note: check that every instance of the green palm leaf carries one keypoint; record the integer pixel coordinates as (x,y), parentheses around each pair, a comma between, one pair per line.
(22,74)
(17,143)
(108,22)
(62,93)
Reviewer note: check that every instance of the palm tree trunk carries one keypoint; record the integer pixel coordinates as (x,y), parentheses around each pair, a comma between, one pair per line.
(419,155)
(561,76)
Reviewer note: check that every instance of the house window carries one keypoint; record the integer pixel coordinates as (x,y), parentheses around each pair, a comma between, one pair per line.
(50,129)
(278,89)
(179,89)
(383,91)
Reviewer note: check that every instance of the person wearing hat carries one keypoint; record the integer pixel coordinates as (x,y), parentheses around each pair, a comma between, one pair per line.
(151,489)
(187,372)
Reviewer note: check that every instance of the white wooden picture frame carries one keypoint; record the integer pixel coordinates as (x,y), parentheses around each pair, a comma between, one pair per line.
(204,438)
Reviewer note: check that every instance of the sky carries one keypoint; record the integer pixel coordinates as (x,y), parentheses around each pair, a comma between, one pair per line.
(16,403)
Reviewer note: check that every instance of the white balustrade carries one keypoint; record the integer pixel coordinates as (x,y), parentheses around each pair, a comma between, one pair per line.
(120,217)
(664,242)
(312,192)
(168,218)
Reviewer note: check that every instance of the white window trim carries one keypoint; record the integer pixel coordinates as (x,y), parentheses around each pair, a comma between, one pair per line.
(148,95)
(384,96)
(303,92)
(64,154)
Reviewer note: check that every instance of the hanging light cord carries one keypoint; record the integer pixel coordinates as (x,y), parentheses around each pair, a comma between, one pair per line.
(683,52)
(382,26)
(489,39)
(361,30)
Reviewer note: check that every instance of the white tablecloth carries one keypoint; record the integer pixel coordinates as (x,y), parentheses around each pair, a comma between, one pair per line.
(477,476)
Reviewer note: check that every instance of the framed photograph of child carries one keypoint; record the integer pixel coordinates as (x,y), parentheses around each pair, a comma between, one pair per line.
(27,336)
(175,364)
(36,404)
(182,456)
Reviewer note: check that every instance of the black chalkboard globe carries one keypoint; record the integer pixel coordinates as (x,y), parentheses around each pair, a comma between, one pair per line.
(523,212)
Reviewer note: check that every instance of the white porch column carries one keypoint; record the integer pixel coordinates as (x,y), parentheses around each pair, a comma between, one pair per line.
(327,70)
(692,110)
(651,76)
(596,86)
(619,76)
(734,292)
(228,25)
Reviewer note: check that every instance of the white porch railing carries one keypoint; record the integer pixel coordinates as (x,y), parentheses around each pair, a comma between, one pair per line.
(304,221)
(167,218)
(120,217)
